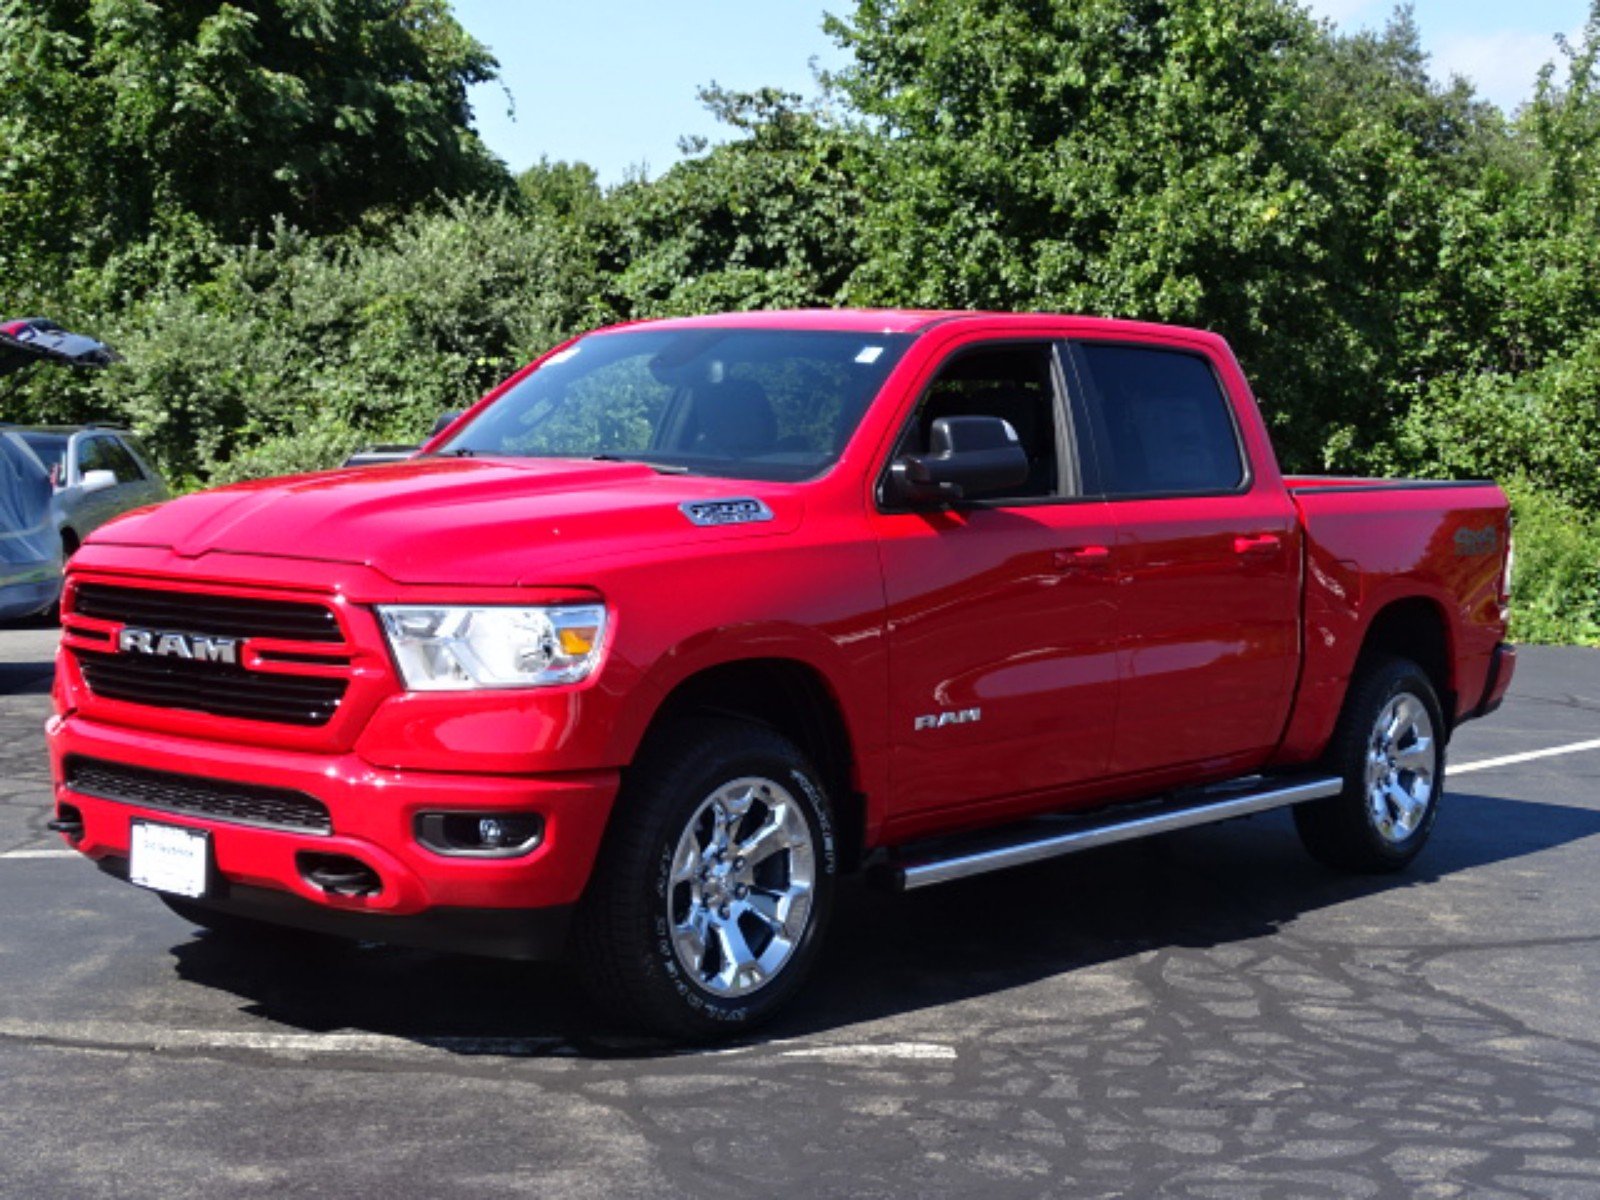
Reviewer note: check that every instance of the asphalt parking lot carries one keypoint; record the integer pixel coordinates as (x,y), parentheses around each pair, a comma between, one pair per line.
(1208,1014)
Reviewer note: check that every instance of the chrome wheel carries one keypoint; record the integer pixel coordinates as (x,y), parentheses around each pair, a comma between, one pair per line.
(1401,762)
(740,891)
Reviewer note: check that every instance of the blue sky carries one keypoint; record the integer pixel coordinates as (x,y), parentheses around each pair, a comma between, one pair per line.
(613,83)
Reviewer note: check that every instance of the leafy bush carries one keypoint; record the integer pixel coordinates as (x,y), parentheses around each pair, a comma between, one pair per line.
(1556,582)
(1542,425)
(371,335)
(323,444)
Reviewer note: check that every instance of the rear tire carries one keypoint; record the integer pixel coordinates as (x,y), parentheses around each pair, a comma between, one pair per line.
(708,904)
(1389,749)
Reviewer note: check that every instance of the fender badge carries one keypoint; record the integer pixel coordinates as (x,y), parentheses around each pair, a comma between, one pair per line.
(961,716)
(736,510)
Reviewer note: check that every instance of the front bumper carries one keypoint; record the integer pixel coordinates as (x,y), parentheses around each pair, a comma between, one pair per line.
(373,811)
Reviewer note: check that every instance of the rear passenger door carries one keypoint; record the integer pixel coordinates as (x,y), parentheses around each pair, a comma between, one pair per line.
(152,488)
(1208,560)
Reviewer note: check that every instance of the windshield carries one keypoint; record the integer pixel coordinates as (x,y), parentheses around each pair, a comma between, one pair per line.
(740,403)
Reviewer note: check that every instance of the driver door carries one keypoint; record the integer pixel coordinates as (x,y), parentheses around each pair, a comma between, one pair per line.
(1002,611)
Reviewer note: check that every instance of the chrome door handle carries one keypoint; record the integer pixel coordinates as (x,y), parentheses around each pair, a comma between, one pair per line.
(1258,545)
(1082,556)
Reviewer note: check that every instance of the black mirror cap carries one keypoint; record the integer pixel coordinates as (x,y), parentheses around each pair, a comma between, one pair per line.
(444,422)
(967,457)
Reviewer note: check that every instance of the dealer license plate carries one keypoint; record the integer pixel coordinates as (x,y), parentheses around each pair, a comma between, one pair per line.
(169,859)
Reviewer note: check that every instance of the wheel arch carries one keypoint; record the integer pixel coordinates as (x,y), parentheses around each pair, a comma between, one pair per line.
(791,697)
(1418,628)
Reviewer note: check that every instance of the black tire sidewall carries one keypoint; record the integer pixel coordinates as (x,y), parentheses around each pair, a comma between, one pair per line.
(1387,681)
(701,1012)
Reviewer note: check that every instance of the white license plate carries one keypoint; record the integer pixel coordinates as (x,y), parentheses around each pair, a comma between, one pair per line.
(169,859)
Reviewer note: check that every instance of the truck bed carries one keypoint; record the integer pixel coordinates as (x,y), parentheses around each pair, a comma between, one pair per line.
(1372,542)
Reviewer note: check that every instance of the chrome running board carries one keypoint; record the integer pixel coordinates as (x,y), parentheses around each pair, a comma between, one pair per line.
(1051,837)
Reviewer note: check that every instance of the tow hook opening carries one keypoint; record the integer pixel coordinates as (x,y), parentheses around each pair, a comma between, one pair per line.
(480,835)
(339,874)
(68,822)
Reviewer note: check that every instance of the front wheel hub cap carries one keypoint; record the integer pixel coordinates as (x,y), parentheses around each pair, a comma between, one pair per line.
(740,891)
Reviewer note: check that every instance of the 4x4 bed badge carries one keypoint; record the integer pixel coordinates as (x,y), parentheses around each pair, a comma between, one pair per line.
(195,647)
(737,510)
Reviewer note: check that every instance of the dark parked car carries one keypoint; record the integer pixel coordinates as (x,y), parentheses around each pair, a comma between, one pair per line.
(30,548)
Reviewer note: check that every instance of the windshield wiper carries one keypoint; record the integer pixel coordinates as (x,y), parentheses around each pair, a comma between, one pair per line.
(462,452)
(659,468)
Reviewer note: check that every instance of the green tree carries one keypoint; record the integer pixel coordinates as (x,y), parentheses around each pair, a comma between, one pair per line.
(118,115)
(566,191)
(1518,304)
(292,349)
(1233,166)
(769,219)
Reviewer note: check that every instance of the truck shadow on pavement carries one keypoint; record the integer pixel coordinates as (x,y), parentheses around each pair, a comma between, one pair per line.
(890,955)
(26,679)
(31,677)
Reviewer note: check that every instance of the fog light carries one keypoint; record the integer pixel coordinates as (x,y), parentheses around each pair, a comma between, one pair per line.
(480,835)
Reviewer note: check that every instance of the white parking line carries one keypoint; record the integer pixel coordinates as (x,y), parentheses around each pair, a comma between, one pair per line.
(125,1035)
(1483,764)
(41,854)
(877,1052)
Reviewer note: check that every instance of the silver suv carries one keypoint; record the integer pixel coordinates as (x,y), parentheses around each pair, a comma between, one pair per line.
(96,473)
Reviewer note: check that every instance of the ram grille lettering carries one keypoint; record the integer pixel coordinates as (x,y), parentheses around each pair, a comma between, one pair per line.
(194,647)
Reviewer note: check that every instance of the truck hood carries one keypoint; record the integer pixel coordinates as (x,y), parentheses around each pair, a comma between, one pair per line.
(462,522)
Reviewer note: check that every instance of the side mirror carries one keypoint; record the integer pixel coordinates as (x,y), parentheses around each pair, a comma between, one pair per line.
(444,422)
(97,481)
(967,456)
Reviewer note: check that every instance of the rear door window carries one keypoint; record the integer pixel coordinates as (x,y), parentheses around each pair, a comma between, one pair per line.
(91,453)
(51,449)
(1162,423)
(120,462)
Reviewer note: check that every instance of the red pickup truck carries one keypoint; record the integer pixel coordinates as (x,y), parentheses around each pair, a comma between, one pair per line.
(690,617)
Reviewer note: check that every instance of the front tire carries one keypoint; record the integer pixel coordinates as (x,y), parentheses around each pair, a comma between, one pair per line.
(1389,748)
(707,908)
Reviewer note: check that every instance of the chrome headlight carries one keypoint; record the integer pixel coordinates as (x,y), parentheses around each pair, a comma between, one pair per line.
(442,648)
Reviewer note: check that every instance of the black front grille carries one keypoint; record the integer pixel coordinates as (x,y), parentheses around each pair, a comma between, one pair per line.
(223,691)
(238,803)
(199,612)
